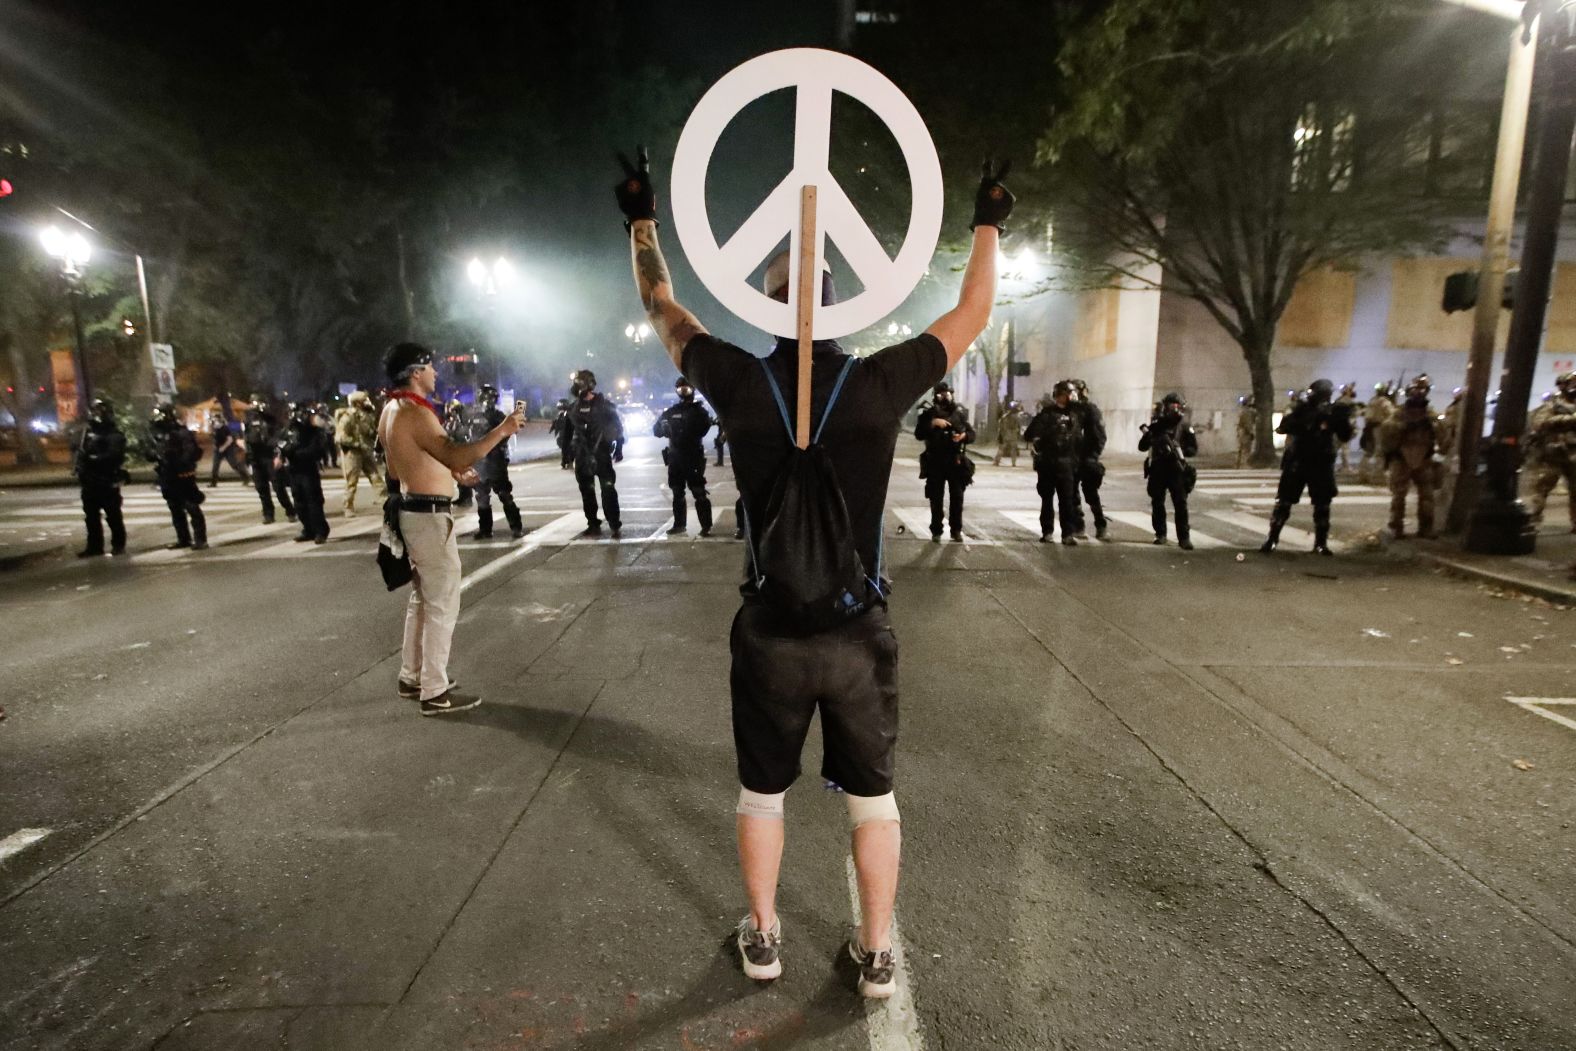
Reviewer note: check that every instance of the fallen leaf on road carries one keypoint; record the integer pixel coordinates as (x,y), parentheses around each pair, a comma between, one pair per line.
(1464,635)
(1375,633)
(1509,649)
(1522,764)
(1454,660)
(137,646)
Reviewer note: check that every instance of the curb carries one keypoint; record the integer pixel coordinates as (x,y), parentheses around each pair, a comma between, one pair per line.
(1562,596)
(10,563)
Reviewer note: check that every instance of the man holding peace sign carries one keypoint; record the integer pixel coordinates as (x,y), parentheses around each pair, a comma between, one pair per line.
(782,675)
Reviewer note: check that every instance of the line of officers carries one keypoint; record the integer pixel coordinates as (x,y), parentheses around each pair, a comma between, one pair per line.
(282,458)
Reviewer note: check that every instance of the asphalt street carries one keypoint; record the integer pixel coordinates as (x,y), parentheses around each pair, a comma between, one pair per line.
(1151,798)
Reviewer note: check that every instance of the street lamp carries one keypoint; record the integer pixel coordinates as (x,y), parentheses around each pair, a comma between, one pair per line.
(73,251)
(488,280)
(637,334)
(1024,271)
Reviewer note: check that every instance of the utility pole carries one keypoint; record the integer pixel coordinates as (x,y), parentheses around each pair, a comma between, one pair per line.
(1500,524)
(1496,261)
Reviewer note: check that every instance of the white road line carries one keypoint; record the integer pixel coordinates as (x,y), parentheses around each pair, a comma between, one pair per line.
(1290,535)
(1260,490)
(893,1025)
(1029,520)
(917,519)
(19,841)
(251,532)
(1536,705)
(662,530)
(1140,520)
(1340,501)
(558,531)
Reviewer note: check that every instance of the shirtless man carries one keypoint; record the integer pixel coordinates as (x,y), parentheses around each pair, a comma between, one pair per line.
(424,464)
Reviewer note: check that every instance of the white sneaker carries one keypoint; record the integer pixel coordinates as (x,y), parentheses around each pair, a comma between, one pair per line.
(877,970)
(761,951)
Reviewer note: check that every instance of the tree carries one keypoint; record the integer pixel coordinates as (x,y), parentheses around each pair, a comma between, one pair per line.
(1234,146)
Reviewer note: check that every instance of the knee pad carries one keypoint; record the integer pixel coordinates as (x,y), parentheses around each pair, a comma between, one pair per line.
(757,804)
(864,809)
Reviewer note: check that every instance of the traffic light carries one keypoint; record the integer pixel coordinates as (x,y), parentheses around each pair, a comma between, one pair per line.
(1461,291)
(6,189)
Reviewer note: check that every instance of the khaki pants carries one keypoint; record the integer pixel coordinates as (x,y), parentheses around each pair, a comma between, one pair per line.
(1542,478)
(1421,478)
(434,600)
(357,463)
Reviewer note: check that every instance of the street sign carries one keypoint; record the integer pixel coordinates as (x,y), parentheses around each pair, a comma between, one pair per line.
(725,270)
(163,355)
(164,381)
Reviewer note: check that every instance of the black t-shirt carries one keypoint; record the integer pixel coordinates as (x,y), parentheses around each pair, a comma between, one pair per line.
(860,436)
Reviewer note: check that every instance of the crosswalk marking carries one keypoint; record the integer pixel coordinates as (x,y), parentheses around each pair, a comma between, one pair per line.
(1540,706)
(1290,535)
(1349,501)
(917,521)
(1140,520)
(20,840)
(1262,490)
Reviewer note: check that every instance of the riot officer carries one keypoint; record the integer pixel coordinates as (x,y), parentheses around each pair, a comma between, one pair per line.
(458,425)
(1313,429)
(944,465)
(720,443)
(599,444)
(1407,441)
(563,430)
(1171,444)
(356,434)
(1449,429)
(684,424)
(261,432)
(1053,436)
(492,471)
(1247,429)
(225,448)
(1091,472)
(1552,443)
(301,453)
(1008,431)
(175,458)
(101,468)
(1378,409)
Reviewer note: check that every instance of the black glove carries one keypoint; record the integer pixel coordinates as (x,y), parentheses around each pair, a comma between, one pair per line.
(993,202)
(636,197)
(618,452)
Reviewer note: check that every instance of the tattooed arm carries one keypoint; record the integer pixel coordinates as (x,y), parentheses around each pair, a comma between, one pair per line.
(675,325)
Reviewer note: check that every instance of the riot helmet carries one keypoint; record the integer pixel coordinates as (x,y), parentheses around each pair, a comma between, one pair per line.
(1061,392)
(684,389)
(1172,404)
(1320,391)
(1565,383)
(164,417)
(585,381)
(942,392)
(487,395)
(102,411)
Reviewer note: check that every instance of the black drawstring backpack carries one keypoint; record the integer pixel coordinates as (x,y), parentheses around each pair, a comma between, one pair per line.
(805,563)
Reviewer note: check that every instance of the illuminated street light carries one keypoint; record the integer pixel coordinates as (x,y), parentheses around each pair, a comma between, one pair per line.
(488,280)
(637,334)
(73,251)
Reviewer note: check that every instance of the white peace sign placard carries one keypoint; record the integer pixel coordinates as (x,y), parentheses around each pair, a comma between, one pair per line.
(725,269)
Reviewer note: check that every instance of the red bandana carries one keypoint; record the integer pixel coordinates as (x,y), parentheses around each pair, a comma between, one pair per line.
(412,396)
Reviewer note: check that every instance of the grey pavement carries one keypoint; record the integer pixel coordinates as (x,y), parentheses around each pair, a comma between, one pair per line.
(1151,798)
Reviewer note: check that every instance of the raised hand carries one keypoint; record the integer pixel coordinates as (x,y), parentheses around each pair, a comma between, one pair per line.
(637,199)
(993,202)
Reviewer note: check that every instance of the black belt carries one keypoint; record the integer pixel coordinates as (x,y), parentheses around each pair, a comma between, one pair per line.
(436,505)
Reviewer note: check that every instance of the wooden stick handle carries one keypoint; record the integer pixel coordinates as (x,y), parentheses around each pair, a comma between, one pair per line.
(807,297)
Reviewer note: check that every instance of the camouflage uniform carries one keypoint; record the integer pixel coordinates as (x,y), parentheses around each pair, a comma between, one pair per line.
(1379,409)
(1407,441)
(1552,442)
(1348,398)
(1247,429)
(1008,431)
(356,433)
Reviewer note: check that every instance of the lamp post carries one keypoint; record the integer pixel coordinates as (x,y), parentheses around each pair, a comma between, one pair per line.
(73,252)
(1023,271)
(488,280)
(1499,523)
(636,334)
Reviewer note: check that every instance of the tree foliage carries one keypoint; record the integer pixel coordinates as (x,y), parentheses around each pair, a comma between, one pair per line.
(1233,146)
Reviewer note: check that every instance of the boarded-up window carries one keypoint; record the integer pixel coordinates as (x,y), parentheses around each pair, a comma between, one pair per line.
(1098,313)
(1320,312)
(1417,321)
(1561,338)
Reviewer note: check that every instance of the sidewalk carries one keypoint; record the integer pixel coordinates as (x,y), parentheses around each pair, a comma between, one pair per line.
(1549,573)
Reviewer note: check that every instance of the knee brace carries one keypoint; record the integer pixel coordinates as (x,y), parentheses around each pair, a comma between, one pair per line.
(864,809)
(756,804)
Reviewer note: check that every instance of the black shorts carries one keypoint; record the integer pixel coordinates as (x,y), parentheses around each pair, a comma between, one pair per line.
(1318,479)
(780,679)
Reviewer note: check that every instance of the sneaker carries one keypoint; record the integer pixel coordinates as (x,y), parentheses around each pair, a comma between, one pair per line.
(877,971)
(738,534)
(516,534)
(935,538)
(594,529)
(761,951)
(268,520)
(1070,541)
(118,549)
(350,512)
(449,701)
(957,538)
(616,532)
(411,691)
(302,538)
(1045,538)
(1082,534)
(320,540)
(678,530)
(290,516)
(479,535)
(1100,532)
(1185,545)
(706,532)
(1159,541)
(201,545)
